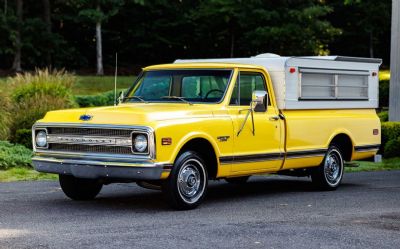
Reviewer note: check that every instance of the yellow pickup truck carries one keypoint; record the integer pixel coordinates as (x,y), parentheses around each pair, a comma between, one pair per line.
(183,124)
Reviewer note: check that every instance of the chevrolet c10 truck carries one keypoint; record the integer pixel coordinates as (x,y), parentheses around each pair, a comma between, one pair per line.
(183,124)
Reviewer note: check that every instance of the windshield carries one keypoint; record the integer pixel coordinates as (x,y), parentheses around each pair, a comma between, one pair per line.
(186,86)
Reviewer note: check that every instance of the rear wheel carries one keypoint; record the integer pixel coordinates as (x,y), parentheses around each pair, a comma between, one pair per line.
(237,180)
(329,174)
(186,186)
(79,188)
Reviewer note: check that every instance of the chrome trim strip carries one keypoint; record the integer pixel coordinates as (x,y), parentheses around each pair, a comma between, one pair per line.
(99,163)
(367,147)
(251,158)
(89,140)
(272,156)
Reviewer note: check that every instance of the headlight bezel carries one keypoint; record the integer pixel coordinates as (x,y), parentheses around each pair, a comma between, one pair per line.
(135,151)
(37,132)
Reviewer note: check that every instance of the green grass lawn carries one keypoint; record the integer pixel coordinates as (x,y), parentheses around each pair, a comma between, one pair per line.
(387,164)
(24,174)
(90,85)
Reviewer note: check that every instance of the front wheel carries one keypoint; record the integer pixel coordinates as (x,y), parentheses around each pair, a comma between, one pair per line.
(329,174)
(186,186)
(79,188)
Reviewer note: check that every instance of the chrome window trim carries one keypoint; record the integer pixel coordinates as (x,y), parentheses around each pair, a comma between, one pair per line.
(141,129)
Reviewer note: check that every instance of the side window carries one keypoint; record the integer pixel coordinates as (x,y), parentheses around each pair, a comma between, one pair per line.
(204,88)
(244,87)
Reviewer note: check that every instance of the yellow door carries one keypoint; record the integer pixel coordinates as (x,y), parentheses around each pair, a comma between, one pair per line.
(258,149)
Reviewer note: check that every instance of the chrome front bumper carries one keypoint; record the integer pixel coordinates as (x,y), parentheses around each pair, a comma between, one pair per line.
(94,169)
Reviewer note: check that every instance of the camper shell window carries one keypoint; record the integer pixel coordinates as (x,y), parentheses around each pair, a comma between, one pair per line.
(320,84)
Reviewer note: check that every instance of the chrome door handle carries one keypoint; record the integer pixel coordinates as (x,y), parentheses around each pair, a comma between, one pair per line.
(274,118)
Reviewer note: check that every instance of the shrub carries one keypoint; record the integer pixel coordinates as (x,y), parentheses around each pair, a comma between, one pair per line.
(24,137)
(102,99)
(392,148)
(34,94)
(384,93)
(5,117)
(43,83)
(383,116)
(390,131)
(14,156)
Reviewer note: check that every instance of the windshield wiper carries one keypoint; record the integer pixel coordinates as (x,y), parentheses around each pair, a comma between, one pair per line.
(135,97)
(176,97)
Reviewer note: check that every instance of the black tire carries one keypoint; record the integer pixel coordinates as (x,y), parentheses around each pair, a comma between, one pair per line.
(187,183)
(237,180)
(78,188)
(329,174)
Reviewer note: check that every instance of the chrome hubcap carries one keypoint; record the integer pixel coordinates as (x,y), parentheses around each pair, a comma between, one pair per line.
(191,181)
(333,167)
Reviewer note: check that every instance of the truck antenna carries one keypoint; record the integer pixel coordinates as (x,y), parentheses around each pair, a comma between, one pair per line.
(115,79)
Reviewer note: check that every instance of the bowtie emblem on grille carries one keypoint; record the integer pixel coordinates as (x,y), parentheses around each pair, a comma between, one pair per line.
(85,117)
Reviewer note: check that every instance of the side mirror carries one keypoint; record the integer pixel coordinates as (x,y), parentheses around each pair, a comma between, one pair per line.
(260,100)
(120,98)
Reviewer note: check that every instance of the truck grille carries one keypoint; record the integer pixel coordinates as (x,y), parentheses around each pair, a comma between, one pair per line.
(90,132)
(92,140)
(91,148)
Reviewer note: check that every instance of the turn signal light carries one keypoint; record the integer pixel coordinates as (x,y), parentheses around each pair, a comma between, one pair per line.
(166,141)
(375,131)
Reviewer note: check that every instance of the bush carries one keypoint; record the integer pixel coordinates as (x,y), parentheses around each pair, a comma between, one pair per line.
(5,117)
(384,93)
(383,116)
(102,99)
(32,95)
(392,148)
(24,137)
(390,131)
(14,156)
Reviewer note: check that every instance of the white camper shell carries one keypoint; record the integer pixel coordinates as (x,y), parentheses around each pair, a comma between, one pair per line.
(317,82)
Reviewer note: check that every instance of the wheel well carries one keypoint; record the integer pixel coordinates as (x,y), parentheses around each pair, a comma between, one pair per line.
(345,145)
(206,150)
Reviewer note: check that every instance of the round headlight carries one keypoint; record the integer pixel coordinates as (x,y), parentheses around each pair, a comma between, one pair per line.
(41,139)
(140,143)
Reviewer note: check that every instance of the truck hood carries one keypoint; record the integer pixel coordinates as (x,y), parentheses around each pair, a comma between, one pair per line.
(131,114)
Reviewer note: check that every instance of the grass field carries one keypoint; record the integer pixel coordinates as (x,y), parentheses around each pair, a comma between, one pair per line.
(386,164)
(89,85)
(24,174)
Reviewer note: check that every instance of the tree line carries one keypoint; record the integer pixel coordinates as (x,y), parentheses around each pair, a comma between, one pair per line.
(84,35)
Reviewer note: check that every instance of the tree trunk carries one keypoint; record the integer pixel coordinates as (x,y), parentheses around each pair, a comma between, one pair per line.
(232,45)
(99,49)
(371,44)
(394,93)
(47,21)
(18,45)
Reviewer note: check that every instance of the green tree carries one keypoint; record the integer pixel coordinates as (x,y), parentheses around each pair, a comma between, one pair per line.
(98,12)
